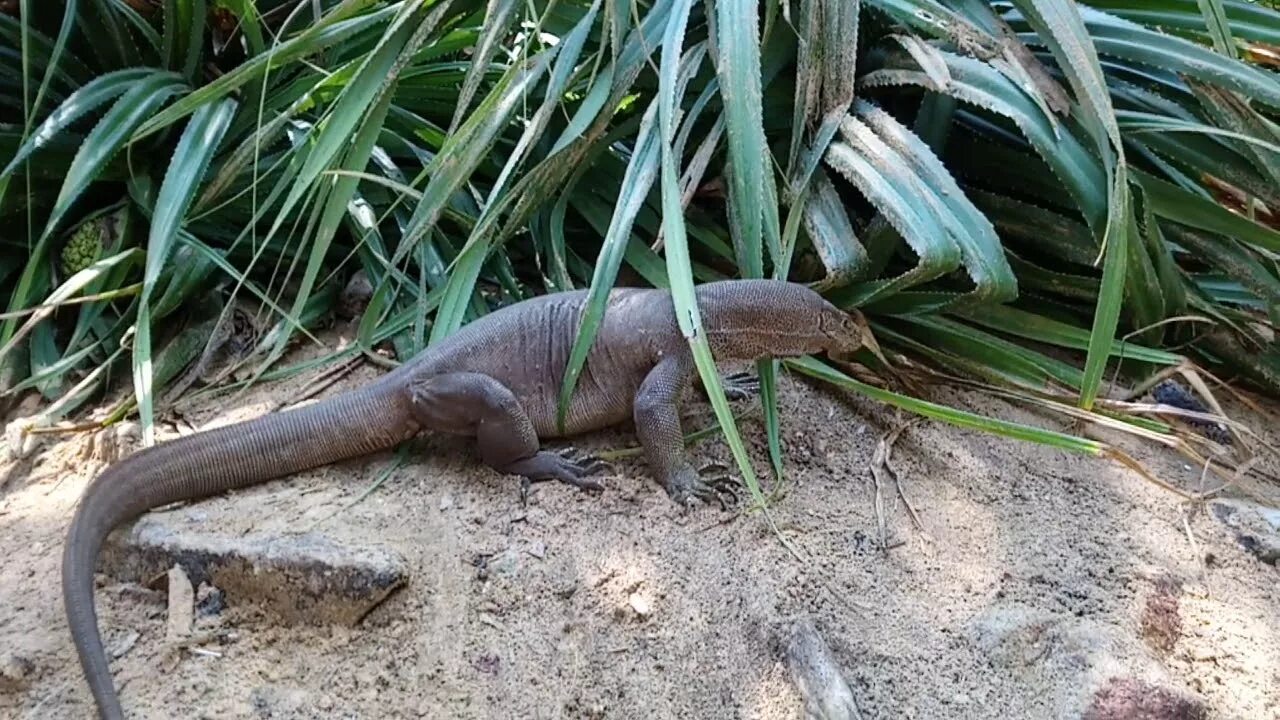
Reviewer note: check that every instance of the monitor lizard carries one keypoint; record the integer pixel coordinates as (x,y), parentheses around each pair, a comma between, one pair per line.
(496,379)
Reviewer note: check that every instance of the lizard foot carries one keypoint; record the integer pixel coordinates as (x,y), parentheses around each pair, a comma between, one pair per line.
(741,386)
(566,465)
(709,483)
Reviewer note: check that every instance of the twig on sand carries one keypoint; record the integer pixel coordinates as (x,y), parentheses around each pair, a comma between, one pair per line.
(879,468)
(322,381)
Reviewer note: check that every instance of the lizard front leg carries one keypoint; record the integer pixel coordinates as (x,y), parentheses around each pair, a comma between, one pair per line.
(466,403)
(657,418)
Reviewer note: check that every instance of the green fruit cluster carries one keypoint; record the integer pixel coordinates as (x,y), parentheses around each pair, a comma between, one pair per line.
(83,247)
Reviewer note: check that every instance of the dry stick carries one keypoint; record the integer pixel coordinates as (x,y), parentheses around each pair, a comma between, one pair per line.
(125,291)
(1145,385)
(879,499)
(378,359)
(1240,471)
(915,518)
(1161,409)
(58,429)
(1083,420)
(815,672)
(1190,507)
(322,381)
(902,493)
(385,475)
(880,463)
(1238,394)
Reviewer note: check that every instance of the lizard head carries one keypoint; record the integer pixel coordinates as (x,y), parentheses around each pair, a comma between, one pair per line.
(843,332)
(751,319)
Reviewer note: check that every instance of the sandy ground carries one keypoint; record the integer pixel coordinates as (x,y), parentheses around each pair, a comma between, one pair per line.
(1038,576)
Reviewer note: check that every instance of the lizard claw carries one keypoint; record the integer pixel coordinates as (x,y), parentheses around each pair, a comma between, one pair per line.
(709,484)
(566,465)
(740,386)
(583,464)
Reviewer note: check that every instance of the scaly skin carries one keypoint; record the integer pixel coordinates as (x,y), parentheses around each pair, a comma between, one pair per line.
(497,379)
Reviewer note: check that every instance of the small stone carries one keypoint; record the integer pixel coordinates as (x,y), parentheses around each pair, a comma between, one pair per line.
(210,600)
(15,671)
(277,700)
(446,503)
(505,563)
(488,664)
(640,605)
(1203,654)
(20,441)
(126,644)
(815,672)
(182,600)
(538,549)
(1015,637)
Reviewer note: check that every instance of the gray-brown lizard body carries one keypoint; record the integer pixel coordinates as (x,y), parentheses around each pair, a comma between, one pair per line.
(497,379)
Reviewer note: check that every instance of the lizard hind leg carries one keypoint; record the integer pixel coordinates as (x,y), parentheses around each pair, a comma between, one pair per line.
(465,403)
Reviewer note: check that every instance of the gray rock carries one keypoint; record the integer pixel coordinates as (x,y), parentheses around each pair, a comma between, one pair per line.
(1017,638)
(270,701)
(1255,527)
(815,672)
(299,579)
(1084,668)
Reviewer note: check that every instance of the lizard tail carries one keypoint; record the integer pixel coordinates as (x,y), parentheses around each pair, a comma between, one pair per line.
(206,463)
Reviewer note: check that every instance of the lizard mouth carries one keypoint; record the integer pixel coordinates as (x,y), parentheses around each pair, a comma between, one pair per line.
(842,354)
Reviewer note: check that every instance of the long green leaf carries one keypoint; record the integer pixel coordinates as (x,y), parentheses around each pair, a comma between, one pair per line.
(498,15)
(199,141)
(184,22)
(1245,18)
(979,84)
(456,161)
(406,32)
(679,267)
(960,418)
(1173,203)
(1059,25)
(464,150)
(748,155)
(640,175)
(100,90)
(1215,18)
(1123,39)
(980,248)
(328,31)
